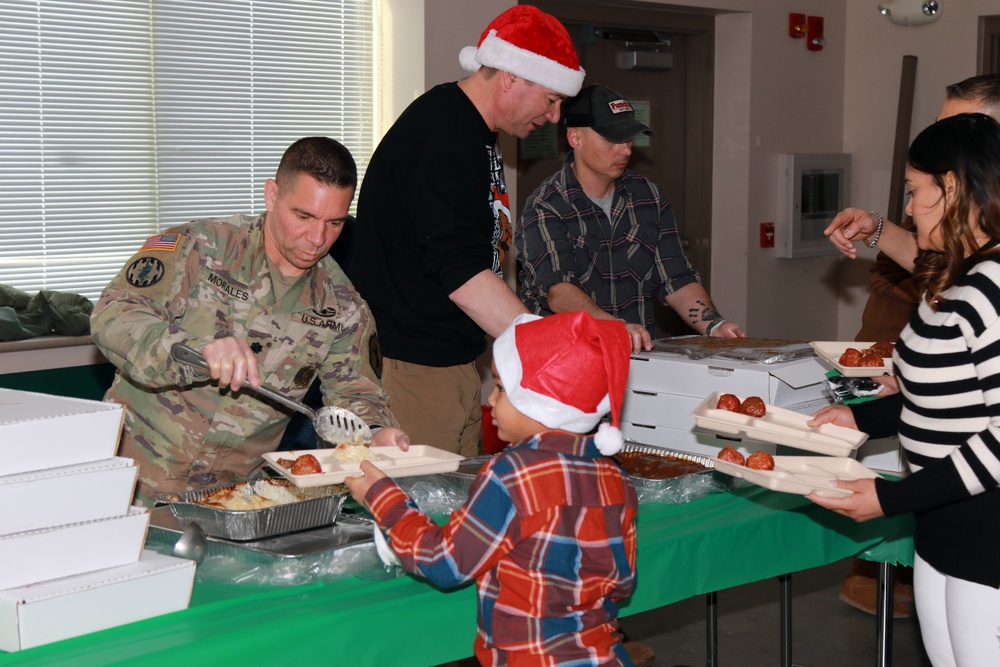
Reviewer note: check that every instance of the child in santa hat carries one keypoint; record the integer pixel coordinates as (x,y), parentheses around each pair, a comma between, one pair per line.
(548,530)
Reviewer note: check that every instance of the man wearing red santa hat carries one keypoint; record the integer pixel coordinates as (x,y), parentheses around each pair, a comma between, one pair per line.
(433,222)
(548,530)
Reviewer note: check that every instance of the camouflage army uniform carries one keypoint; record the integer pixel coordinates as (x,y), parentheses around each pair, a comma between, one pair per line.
(207,280)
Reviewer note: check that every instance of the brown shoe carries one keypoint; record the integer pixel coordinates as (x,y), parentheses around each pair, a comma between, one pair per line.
(862,593)
(640,654)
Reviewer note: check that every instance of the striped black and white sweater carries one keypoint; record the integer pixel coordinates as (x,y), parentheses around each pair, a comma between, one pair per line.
(948,365)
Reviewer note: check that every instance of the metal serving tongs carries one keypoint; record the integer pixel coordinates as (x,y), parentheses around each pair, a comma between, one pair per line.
(333,424)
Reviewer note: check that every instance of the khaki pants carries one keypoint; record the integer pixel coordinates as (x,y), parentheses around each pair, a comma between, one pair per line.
(439,407)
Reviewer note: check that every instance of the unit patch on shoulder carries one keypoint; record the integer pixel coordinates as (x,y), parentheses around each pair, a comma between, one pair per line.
(167,242)
(145,272)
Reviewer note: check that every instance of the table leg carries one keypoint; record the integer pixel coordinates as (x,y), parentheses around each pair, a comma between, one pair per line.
(786,620)
(712,630)
(885,604)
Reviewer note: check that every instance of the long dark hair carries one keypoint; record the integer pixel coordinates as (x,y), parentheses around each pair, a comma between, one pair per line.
(968,146)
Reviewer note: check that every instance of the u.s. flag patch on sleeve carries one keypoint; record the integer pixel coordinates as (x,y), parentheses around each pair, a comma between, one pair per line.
(166,242)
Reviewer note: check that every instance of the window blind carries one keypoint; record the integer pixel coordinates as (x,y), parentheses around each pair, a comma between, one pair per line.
(119,118)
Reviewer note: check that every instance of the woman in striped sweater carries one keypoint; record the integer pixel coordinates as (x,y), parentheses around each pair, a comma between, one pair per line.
(947,415)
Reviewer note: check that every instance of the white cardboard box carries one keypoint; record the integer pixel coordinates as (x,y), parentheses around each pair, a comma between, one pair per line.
(63,551)
(39,431)
(73,606)
(68,494)
(884,455)
(664,389)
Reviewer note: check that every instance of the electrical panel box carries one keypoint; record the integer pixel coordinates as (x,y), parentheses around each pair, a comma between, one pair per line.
(812,189)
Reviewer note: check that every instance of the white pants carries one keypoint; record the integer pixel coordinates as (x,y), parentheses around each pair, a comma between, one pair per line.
(959,620)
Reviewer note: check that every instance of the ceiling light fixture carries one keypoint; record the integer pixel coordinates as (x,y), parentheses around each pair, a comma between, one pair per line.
(911,12)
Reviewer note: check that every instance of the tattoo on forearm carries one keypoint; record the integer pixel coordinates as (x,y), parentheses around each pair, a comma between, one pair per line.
(703,313)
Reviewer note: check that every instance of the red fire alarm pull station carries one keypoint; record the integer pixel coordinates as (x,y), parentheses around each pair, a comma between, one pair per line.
(767,235)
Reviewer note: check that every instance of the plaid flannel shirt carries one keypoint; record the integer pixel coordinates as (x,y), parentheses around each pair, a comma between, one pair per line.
(548,532)
(624,264)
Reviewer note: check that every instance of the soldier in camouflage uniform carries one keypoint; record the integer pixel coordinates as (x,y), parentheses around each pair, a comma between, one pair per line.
(264,303)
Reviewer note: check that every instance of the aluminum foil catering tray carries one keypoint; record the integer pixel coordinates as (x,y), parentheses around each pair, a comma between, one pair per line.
(681,489)
(760,350)
(467,471)
(706,461)
(350,531)
(309,508)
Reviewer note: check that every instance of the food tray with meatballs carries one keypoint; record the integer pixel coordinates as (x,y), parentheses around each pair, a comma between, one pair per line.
(801,474)
(867,360)
(773,424)
(333,466)
(258,509)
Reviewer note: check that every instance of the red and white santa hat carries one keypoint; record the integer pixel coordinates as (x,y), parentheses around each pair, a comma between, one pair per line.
(529,43)
(567,371)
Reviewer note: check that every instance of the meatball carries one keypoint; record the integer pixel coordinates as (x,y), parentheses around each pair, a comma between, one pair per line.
(850,357)
(753,406)
(870,360)
(729,402)
(760,461)
(732,456)
(882,349)
(306,465)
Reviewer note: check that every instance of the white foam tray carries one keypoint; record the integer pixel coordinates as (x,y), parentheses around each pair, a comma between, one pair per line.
(418,460)
(802,475)
(831,350)
(780,426)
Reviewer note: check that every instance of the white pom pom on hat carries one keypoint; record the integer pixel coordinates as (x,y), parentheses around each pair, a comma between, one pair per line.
(529,43)
(567,371)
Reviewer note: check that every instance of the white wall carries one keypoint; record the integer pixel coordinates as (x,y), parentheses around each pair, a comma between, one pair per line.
(946,53)
(400,59)
(772,95)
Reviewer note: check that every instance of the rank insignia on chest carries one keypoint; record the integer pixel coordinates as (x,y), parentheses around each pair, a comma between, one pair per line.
(145,272)
(256,347)
(305,376)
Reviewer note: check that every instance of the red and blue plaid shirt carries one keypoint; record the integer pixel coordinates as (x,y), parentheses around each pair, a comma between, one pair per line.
(548,532)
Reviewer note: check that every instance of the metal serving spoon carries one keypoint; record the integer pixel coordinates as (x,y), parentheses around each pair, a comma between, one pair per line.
(192,544)
(333,424)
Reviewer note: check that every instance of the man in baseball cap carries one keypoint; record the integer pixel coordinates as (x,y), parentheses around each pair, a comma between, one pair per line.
(434,222)
(607,113)
(631,255)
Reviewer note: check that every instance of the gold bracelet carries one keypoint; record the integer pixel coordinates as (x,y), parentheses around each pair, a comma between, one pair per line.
(878,230)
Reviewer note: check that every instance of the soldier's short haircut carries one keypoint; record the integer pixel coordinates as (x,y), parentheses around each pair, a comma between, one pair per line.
(984,88)
(323,158)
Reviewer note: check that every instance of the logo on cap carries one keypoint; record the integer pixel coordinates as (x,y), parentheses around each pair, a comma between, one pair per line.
(620,106)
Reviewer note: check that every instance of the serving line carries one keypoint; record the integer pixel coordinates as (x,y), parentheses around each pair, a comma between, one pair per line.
(718,542)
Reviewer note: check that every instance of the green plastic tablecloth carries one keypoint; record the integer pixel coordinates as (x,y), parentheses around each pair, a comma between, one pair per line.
(710,544)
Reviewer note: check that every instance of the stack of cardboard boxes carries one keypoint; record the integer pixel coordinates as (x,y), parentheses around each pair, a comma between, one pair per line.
(71,544)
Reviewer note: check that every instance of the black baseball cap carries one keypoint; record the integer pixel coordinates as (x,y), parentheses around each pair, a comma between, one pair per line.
(607,112)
